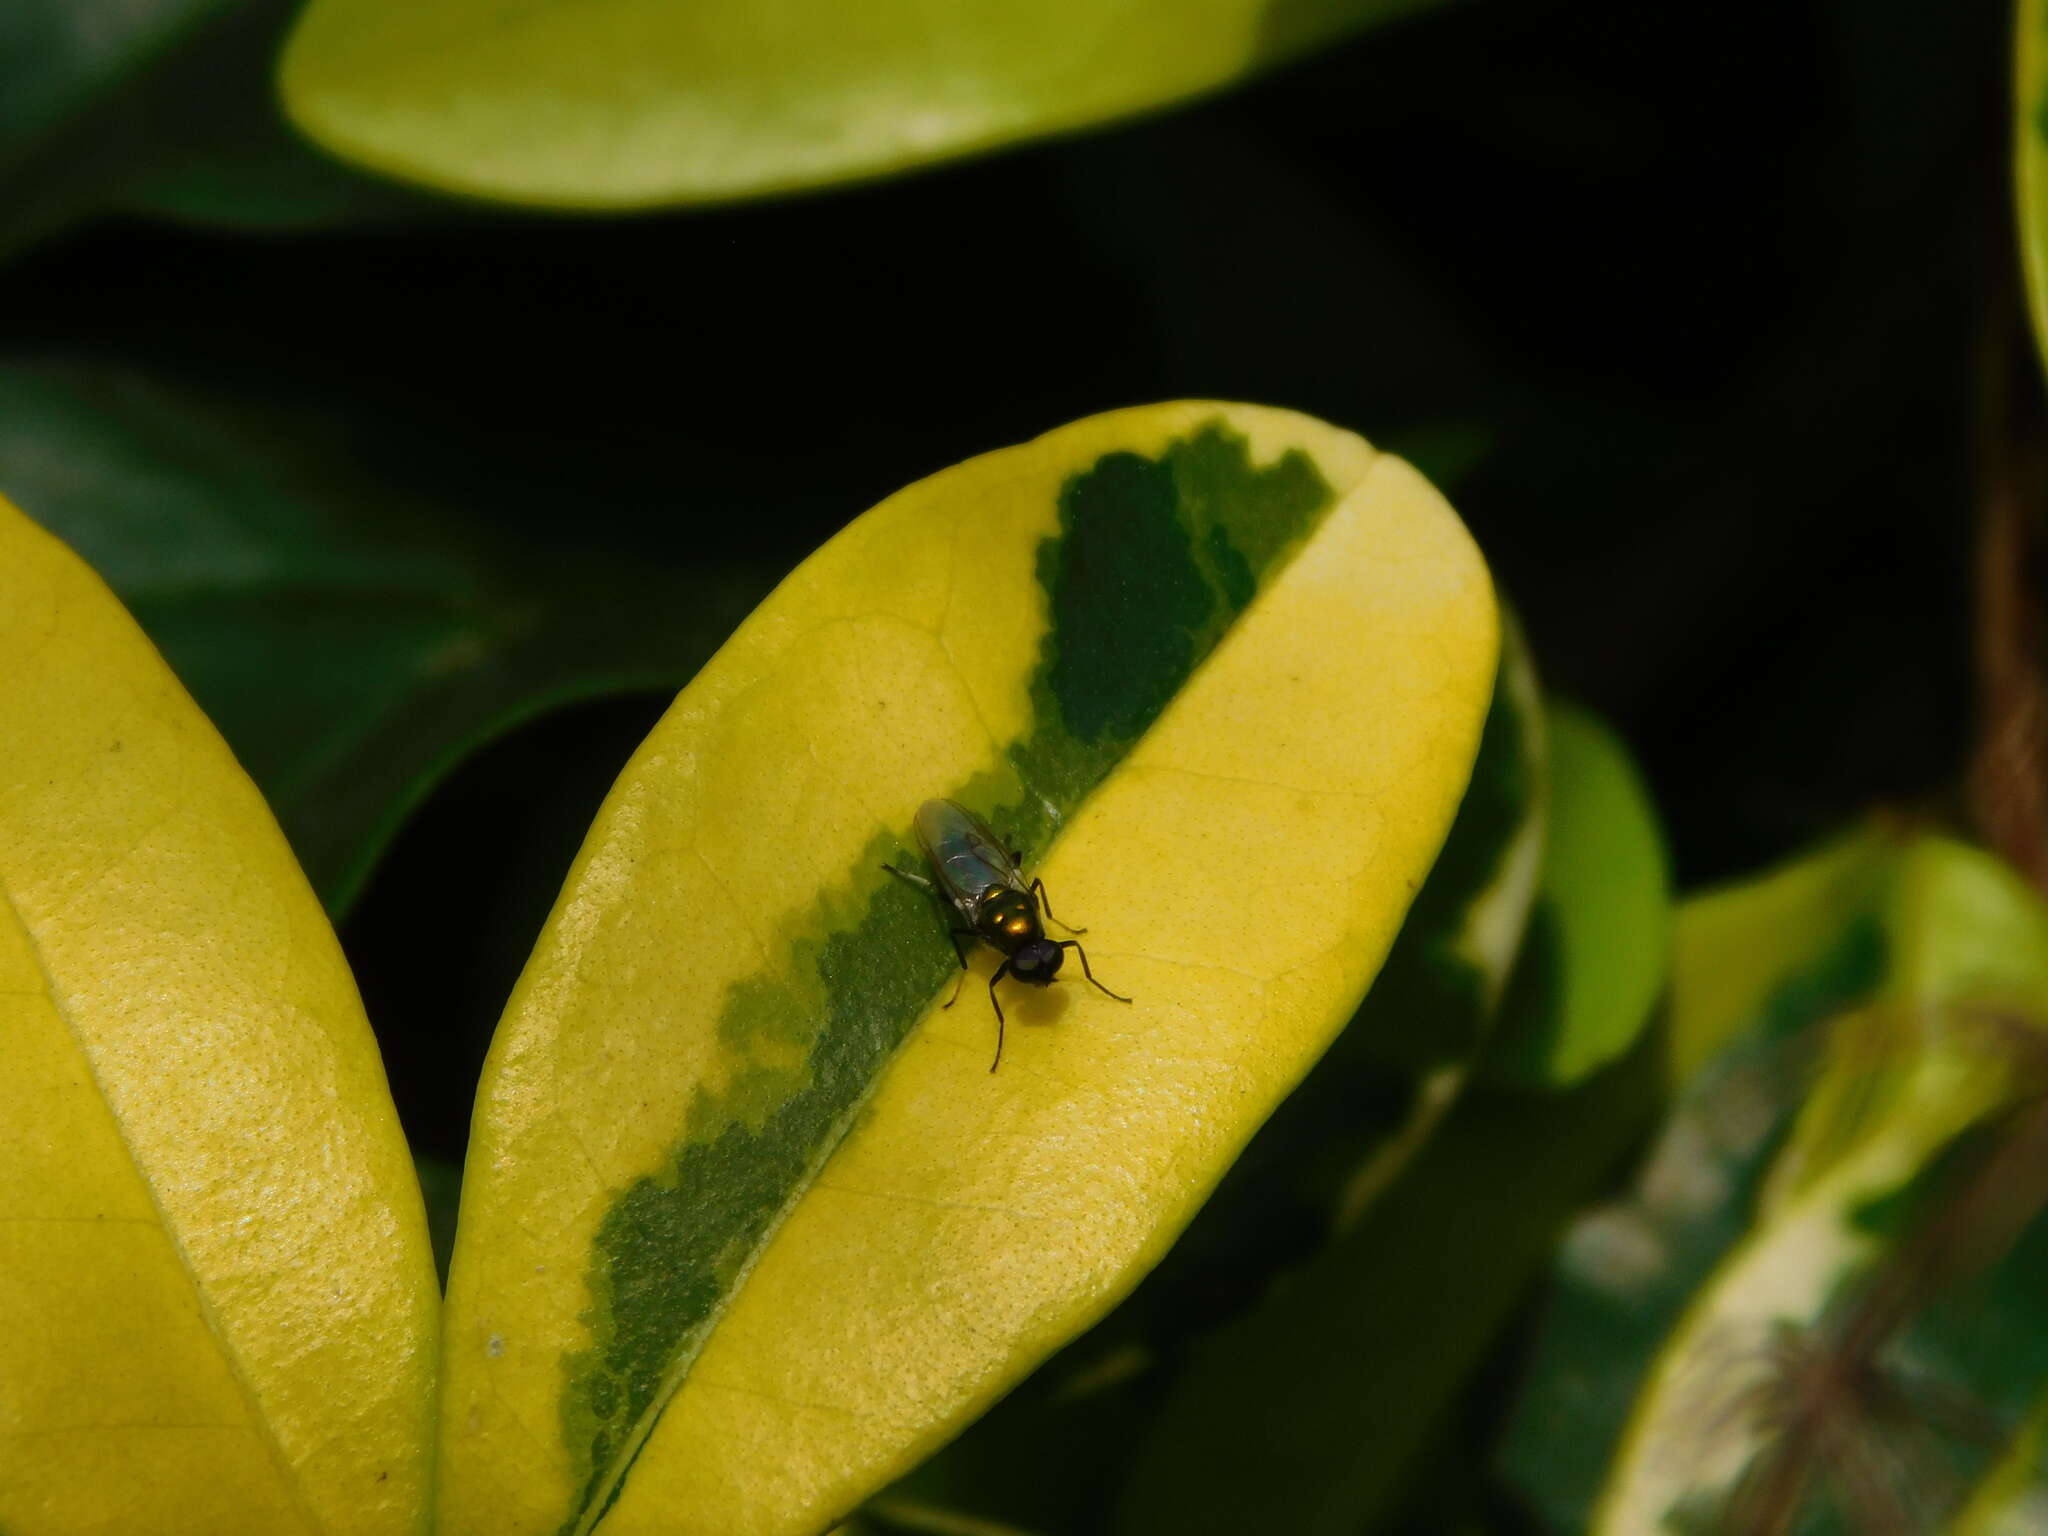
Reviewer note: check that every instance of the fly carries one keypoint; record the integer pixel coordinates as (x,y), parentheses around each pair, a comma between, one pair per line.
(986,885)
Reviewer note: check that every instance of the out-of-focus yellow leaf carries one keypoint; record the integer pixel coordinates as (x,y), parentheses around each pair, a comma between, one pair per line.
(629,103)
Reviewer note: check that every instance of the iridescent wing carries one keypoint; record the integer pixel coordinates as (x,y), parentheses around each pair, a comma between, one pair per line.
(968,858)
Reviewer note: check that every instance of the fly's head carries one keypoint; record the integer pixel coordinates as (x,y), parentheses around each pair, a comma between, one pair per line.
(1037,961)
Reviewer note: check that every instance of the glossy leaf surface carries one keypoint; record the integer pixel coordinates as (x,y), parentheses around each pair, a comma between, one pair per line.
(219,1300)
(627,103)
(749,1227)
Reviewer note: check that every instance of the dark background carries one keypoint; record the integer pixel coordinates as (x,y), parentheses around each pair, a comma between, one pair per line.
(1685,306)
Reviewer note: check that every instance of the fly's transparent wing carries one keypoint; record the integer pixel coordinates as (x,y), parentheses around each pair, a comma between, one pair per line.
(968,858)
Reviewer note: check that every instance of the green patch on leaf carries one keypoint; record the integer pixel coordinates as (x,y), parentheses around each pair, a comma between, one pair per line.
(674,1246)
(852,977)
(1154,559)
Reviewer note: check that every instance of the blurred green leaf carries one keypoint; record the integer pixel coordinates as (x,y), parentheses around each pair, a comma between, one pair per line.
(636,103)
(1811,1302)
(1308,1413)
(352,641)
(1334,1146)
(1600,936)
(162,106)
(62,57)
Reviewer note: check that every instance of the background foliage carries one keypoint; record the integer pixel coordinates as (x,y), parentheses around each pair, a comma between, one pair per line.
(432,504)
(1705,371)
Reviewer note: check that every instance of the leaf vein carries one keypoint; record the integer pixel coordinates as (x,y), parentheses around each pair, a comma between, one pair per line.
(207,1311)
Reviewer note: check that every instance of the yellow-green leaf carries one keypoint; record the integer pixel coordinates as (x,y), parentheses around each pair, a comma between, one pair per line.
(2030,155)
(627,103)
(214,1276)
(748,1226)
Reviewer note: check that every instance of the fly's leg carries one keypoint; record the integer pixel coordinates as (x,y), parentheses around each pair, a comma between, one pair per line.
(1001,971)
(1038,890)
(1085,971)
(958,935)
(904,874)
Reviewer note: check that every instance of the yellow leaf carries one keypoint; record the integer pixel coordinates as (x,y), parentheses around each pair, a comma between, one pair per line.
(214,1276)
(749,1227)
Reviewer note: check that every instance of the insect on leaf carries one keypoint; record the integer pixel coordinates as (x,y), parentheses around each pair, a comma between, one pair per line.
(1347,1137)
(749,1227)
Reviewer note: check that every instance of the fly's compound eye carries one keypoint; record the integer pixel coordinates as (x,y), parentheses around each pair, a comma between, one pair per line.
(1037,962)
